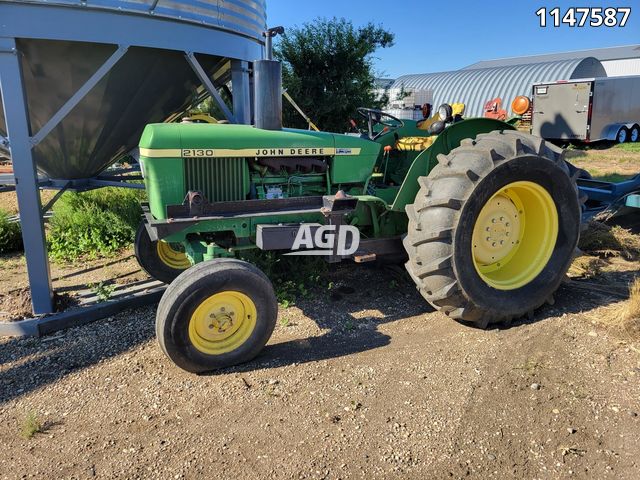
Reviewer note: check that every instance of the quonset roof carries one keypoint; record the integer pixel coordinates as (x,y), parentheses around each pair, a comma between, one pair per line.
(476,87)
(602,54)
(383,82)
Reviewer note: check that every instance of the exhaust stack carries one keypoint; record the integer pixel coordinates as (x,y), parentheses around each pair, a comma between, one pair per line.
(267,78)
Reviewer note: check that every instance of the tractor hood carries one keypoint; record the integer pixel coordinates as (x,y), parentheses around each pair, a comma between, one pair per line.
(222,161)
(211,140)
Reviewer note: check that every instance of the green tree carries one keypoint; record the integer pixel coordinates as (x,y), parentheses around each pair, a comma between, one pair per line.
(327,68)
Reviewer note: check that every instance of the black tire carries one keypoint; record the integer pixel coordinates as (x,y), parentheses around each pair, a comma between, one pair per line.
(436,127)
(448,112)
(146,252)
(623,135)
(575,172)
(442,219)
(634,134)
(191,289)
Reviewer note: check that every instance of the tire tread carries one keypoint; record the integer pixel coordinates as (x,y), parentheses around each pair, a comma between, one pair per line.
(469,163)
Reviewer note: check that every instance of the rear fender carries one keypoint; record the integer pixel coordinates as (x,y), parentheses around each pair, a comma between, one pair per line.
(449,139)
(610,132)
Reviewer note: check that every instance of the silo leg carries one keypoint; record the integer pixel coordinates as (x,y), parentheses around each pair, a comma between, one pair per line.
(26,177)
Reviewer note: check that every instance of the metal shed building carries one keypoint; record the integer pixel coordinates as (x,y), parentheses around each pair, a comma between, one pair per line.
(617,61)
(476,86)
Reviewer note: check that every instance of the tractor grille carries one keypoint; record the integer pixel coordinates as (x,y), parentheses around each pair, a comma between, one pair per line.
(220,179)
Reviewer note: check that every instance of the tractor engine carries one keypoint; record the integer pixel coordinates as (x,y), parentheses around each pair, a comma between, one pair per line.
(284,177)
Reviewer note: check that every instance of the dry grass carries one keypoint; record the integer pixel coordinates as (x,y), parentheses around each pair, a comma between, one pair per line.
(611,262)
(604,240)
(632,309)
(624,316)
(586,267)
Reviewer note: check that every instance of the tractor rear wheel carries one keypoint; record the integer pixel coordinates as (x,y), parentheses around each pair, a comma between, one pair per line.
(217,314)
(161,260)
(493,228)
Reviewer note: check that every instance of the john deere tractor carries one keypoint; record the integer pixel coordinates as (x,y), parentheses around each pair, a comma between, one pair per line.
(486,217)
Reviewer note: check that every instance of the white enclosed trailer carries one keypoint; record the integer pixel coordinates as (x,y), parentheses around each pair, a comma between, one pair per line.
(588,110)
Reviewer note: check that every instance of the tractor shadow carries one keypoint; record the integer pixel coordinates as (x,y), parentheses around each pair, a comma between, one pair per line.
(603,275)
(374,297)
(578,296)
(350,315)
(362,299)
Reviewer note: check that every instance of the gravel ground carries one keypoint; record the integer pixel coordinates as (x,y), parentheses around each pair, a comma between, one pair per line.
(363,383)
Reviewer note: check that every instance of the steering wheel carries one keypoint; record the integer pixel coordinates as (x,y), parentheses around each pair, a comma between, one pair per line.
(375,117)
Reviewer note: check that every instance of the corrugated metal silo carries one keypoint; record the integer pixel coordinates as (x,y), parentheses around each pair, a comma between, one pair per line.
(80,79)
(62,43)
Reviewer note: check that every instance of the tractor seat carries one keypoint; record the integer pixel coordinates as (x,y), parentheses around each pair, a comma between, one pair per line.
(415,144)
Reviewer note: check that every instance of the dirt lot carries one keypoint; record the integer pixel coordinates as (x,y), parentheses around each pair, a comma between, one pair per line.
(362,381)
(363,386)
(71,282)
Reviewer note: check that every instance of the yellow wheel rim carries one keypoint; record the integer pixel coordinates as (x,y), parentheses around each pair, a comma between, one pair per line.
(172,257)
(514,235)
(222,322)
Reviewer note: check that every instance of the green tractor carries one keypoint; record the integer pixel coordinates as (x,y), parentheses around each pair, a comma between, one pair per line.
(487,219)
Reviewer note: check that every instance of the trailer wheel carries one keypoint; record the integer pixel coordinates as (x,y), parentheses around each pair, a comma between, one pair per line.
(623,135)
(217,314)
(161,260)
(634,135)
(493,228)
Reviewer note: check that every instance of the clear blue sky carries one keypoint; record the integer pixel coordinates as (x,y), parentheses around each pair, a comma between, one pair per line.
(433,36)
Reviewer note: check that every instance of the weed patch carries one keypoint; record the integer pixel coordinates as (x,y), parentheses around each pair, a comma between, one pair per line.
(103,290)
(292,276)
(10,234)
(31,425)
(93,224)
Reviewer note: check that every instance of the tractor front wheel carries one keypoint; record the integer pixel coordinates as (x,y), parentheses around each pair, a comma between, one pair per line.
(493,228)
(216,314)
(161,260)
